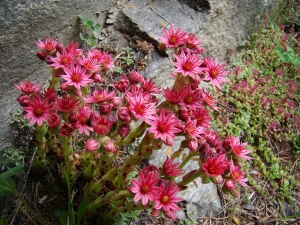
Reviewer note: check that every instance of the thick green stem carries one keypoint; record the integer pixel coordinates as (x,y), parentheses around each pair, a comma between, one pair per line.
(189,177)
(187,159)
(68,154)
(41,145)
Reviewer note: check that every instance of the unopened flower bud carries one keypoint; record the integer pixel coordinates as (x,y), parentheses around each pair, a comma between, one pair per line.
(48,60)
(116,101)
(156,212)
(23,100)
(105,108)
(60,48)
(169,141)
(124,114)
(42,55)
(72,118)
(54,120)
(229,185)
(217,179)
(135,77)
(96,77)
(192,145)
(236,192)
(109,145)
(124,130)
(91,145)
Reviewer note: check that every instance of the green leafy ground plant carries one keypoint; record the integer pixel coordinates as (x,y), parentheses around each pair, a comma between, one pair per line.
(261,102)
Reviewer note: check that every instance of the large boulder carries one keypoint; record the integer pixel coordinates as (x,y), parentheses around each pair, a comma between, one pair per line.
(22,23)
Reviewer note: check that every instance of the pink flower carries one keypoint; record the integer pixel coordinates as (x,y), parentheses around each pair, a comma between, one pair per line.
(209,100)
(193,44)
(144,188)
(164,125)
(28,87)
(124,114)
(91,145)
(76,76)
(191,98)
(101,125)
(192,129)
(37,111)
(99,96)
(188,64)
(47,45)
(193,144)
(171,169)
(166,199)
(237,174)
(216,166)
(65,104)
(63,60)
(91,65)
(140,105)
(23,100)
(83,116)
(239,149)
(215,72)
(150,87)
(173,96)
(201,115)
(172,39)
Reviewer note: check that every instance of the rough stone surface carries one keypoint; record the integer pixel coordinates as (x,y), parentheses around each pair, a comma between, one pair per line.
(22,23)
(203,199)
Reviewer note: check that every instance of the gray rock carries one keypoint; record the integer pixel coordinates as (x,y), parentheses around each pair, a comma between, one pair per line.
(22,23)
(202,199)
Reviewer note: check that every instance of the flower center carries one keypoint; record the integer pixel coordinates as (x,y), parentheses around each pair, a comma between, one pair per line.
(38,111)
(139,109)
(76,78)
(165,199)
(144,189)
(187,66)
(237,150)
(188,99)
(173,40)
(64,61)
(213,73)
(162,127)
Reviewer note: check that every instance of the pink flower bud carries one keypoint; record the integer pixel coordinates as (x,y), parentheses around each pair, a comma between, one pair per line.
(156,212)
(122,84)
(72,118)
(54,120)
(217,179)
(116,101)
(169,141)
(124,130)
(135,77)
(192,144)
(23,100)
(109,145)
(105,108)
(91,145)
(124,114)
(229,185)
(41,55)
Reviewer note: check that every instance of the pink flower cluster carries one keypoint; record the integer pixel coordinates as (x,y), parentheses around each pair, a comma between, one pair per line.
(103,116)
(150,188)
